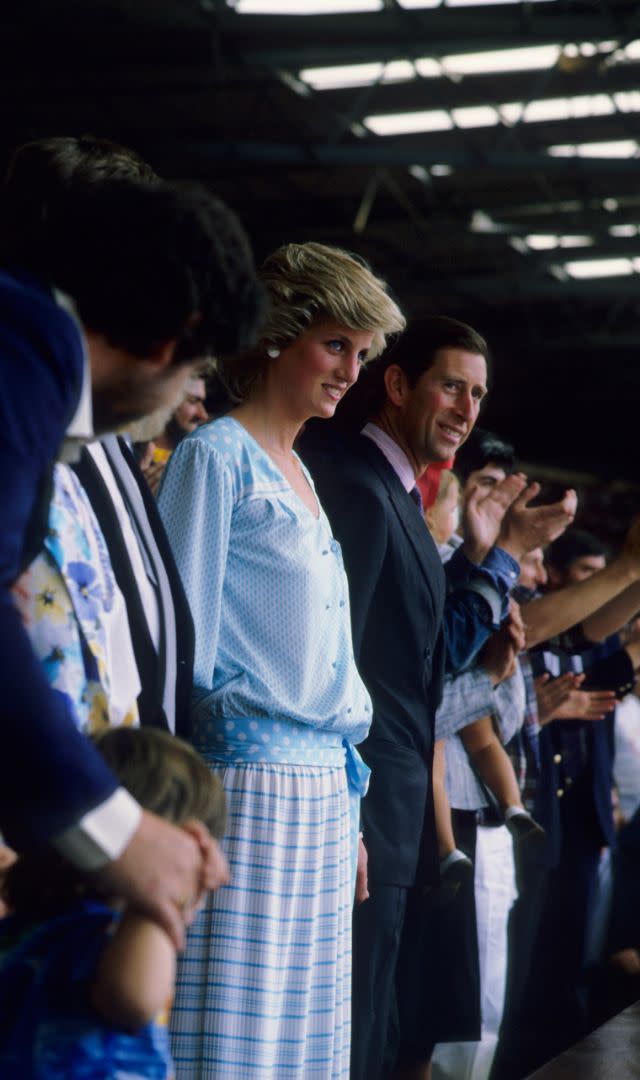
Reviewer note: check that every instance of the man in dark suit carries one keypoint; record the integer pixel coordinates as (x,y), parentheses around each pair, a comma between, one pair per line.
(425,400)
(82,325)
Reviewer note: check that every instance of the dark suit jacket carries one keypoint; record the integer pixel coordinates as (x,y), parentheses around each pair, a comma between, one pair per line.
(165,672)
(50,774)
(397,593)
(592,811)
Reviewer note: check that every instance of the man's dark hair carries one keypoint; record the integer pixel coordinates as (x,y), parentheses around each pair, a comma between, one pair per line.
(145,265)
(480,449)
(415,352)
(573,544)
(45,170)
(145,262)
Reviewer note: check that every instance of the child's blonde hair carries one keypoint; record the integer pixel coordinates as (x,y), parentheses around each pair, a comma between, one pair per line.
(163,773)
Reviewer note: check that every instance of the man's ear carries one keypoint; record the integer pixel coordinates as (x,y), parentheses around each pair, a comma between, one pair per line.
(395,384)
(162,355)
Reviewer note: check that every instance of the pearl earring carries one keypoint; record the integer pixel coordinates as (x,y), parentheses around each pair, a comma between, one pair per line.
(273,352)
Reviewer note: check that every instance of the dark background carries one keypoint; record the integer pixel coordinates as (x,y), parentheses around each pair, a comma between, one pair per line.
(204,92)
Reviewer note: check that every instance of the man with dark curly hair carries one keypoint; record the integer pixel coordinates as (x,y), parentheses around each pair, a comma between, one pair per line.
(112,292)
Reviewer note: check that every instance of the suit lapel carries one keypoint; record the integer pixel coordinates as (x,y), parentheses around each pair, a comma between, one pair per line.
(410,518)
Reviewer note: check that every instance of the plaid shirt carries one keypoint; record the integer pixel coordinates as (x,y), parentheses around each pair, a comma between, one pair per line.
(466,698)
(524,748)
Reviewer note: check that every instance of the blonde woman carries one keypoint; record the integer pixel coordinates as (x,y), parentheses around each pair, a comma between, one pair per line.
(264,987)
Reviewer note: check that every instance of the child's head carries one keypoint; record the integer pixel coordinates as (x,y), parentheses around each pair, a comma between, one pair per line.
(163,773)
(442,518)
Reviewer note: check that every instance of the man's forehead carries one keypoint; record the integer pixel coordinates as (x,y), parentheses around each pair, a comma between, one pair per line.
(195,385)
(472,367)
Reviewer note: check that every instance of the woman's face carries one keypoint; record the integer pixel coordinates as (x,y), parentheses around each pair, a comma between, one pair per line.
(314,372)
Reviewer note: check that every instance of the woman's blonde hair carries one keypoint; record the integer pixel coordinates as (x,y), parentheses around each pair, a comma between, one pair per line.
(306,284)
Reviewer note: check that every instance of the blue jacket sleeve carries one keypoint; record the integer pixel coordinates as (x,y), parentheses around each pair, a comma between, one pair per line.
(50,775)
(476,604)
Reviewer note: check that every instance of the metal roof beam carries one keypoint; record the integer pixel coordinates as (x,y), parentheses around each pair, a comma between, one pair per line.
(384,152)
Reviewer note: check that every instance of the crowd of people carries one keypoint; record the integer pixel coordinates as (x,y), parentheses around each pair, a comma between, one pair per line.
(313,763)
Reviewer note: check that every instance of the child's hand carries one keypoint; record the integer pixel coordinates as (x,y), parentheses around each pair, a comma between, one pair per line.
(362,885)
(215,869)
(163,871)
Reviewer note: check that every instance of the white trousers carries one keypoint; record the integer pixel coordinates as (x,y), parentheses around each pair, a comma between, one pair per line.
(495,891)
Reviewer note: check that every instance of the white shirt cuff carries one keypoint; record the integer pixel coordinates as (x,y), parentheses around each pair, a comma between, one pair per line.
(102,834)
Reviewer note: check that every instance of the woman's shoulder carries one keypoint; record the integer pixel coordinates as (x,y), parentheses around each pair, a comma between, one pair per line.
(215,445)
(238,451)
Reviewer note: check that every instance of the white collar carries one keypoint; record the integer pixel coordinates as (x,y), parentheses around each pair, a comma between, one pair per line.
(396,457)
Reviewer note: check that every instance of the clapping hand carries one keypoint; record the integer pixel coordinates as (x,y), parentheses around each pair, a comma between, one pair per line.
(484,513)
(527,527)
(562,699)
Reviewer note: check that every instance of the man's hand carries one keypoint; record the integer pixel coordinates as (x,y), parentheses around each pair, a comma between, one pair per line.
(499,655)
(515,626)
(362,887)
(527,527)
(484,513)
(562,699)
(627,961)
(585,705)
(152,470)
(551,693)
(163,872)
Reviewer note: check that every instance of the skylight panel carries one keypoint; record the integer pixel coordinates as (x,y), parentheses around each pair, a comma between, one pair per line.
(627,100)
(303,7)
(346,75)
(533,59)
(542,242)
(616,148)
(625,232)
(483,3)
(416,4)
(511,111)
(475,116)
(428,68)
(572,241)
(599,268)
(580,107)
(550,241)
(590,105)
(409,123)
